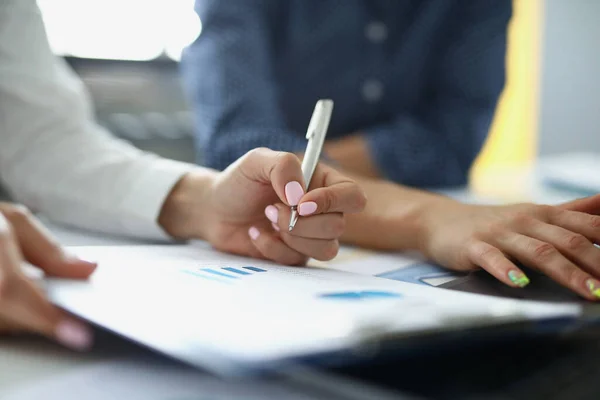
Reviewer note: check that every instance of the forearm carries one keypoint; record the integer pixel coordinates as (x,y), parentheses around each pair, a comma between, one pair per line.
(352,154)
(93,181)
(394,218)
(395,215)
(186,211)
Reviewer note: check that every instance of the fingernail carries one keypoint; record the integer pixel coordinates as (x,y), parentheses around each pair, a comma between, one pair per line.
(72,258)
(276,227)
(254,233)
(518,278)
(293,193)
(594,287)
(272,214)
(74,335)
(307,208)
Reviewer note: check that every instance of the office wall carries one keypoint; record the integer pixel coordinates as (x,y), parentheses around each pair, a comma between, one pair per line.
(570,88)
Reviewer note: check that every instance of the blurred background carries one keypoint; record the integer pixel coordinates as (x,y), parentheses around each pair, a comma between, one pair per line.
(127,53)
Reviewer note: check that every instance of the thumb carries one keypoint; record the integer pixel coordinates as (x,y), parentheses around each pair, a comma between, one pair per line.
(281,170)
(589,205)
(41,250)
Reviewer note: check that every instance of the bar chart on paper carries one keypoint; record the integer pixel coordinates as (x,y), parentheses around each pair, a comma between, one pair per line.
(224,275)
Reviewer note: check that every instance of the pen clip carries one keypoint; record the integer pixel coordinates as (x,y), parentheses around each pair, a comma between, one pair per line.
(320,118)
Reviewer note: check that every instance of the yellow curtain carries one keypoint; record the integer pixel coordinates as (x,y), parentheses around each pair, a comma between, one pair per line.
(512,139)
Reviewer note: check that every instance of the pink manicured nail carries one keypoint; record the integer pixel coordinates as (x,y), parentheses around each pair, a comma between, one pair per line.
(272,214)
(276,227)
(72,258)
(307,208)
(74,335)
(254,233)
(293,193)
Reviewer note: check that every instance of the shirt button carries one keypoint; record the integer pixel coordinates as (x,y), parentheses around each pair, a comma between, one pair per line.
(372,90)
(376,32)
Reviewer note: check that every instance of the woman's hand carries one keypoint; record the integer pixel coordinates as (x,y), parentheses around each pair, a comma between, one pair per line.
(246,208)
(23,307)
(556,240)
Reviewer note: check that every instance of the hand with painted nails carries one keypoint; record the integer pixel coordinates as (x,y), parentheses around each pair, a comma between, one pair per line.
(23,307)
(246,209)
(558,241)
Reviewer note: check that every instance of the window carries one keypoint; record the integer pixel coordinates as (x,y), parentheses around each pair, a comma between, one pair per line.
(137,30)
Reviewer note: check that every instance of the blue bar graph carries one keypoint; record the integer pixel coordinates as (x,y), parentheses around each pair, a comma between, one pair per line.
(362,295)
(255,269)
(236,271)
(342,296)
(378,294)
(207,277)
(218,273)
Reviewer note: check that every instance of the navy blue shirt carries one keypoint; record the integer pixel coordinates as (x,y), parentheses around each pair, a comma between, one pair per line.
(419,78)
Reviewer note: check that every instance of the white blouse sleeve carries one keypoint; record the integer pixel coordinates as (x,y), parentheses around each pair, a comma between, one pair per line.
(53,157)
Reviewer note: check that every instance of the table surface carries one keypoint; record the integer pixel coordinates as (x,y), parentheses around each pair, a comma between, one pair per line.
(25,361)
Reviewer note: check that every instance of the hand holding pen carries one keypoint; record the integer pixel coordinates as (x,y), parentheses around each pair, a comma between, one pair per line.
(269,183)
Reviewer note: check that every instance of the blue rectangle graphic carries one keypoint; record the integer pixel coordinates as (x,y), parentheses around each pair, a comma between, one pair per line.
(203,276)
(219,273)
(342,296)
(236,271)
(255,269)
(366,294)
(362,295)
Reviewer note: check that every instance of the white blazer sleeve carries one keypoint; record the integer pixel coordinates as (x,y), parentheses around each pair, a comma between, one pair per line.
(53,157)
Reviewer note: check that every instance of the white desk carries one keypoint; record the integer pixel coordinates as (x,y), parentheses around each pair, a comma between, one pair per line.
(25,362)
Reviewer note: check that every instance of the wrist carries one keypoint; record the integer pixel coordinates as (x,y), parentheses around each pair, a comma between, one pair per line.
(435,214)
(186,211)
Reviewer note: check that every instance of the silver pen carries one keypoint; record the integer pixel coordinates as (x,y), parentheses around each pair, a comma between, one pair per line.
(317,130)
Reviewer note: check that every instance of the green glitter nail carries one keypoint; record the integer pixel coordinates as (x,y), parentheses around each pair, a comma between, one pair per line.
(594,287)
(520,279)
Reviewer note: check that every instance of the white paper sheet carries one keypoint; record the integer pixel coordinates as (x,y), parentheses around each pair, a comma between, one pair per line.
(219,310)
(404,267)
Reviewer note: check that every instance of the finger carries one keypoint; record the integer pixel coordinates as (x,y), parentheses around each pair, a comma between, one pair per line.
(331,191)
(240,244)
(589,205)
(319,249)
(547,259)
(329,227)
(40,249)
(574,221)
(23,307)
(495,262)
(10,255)
(281,170)
(575,246)
(325,226)
(9,328)
(22,304)
(273,248)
